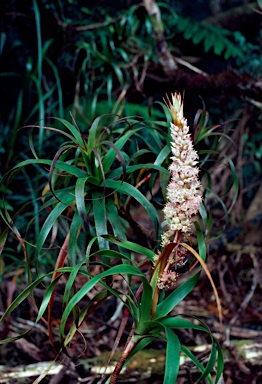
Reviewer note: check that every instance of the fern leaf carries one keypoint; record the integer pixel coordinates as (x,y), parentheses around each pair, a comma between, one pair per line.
(209,42)
(219,39)
(199,36)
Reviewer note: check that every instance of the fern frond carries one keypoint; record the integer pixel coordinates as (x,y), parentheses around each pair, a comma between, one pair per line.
(219,39)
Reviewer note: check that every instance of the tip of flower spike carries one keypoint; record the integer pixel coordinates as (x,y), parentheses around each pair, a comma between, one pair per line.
(176,108)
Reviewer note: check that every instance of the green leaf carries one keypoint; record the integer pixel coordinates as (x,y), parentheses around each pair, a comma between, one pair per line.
(100,296)
(201,241)
(220,201)
(120,158)
(132,246)
(47,297)
(229,52)
(11,339)
(115,220)
(82,315)
(172,357)
(178,323)
(3,239)
(136,194)
(154,277)
(133,308)
(58,85)
(70,282)
(111,154)
(49,222)
(148,327)
(151,139)
(21,297)
(219,46)
(94,133)
(80,200)
(133,168)
(190,32)
(117,225)
(75,132)
(110,254)
(99,209)
(220,361)
(176,297)
(72,244)
(211,363)
(77,172)
(39,71)
(146,303)
(163,154)
(189,354)
(203,214)
(199,35)
(117,270)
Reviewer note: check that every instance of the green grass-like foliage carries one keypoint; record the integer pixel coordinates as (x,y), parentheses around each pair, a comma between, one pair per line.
(89,184)
(105,49)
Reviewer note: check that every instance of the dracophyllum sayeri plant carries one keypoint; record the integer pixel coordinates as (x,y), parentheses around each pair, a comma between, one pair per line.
(91,183)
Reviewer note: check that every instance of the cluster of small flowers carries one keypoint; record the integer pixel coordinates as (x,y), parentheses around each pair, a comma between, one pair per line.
(167,280)
(183,192)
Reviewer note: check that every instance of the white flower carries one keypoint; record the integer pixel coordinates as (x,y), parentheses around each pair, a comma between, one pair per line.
(183,192)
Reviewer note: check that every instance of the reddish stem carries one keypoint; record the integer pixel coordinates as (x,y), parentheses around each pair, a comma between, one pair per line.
(128,349)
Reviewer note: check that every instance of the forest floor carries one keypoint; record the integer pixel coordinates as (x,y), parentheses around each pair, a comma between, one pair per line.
(236,270)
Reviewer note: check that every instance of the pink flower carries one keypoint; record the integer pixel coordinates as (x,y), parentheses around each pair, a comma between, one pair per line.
(183,192)
(167,280)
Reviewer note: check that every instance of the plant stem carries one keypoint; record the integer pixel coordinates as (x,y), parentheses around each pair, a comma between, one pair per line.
(128,349)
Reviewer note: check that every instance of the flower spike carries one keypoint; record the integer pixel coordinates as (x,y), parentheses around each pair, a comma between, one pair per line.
(183,192)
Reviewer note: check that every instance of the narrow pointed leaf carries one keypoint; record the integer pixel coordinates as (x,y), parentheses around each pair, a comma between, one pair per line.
(172,357)
(59,165)
(210,364)
(21,297)
(115,150)
(119,269)
(49,222)
(137,195)
(132,246)
(75,228)
(80,200)
(189,354)
(220,361)
(176,297)
(201,241)
(146,302)
(178,323)
(75,132)
(99,209)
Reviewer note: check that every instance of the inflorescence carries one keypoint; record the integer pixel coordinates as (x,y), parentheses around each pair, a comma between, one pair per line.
(183,192)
